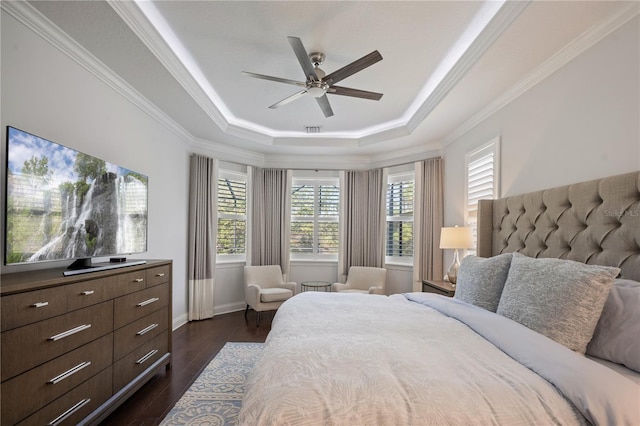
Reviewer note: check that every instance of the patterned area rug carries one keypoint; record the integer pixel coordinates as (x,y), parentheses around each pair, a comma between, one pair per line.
(215,397)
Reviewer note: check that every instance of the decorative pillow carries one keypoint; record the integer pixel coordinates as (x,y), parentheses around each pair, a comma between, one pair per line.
(560,299)
(617,334)
(480,280)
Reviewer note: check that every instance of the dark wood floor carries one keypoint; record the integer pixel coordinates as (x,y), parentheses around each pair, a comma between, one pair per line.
(194,345)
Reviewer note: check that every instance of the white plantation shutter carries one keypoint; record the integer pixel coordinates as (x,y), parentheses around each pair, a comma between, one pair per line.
(302,218)
(328,213)
(232,214)
(314,218)
(482,167)
(399,207)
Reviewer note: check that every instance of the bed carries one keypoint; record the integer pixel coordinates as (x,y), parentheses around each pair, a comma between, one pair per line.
(543,329)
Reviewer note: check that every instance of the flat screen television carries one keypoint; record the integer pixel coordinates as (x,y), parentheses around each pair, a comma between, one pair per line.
(62,204)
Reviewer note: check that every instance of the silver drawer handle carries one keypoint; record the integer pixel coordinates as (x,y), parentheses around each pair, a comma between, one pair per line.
(149,301)
(69,372)
(69,332)
(146,329)
(161,274)
(62,417)
(147,356)
(40,304)
(138,280)
(87,292)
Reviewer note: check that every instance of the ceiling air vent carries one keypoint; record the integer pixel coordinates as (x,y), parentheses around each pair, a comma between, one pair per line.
(313,129)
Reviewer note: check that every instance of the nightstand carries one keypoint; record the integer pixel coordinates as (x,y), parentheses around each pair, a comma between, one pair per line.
(444,288)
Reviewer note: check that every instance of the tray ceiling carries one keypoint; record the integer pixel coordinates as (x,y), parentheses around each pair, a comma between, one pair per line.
(445,63)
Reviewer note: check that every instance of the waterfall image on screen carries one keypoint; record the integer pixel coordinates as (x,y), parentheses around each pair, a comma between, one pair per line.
(64,204)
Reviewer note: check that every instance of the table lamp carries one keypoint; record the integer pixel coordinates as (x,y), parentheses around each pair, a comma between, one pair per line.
(457,237)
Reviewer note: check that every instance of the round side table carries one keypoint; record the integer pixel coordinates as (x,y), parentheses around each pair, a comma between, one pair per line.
(315,286)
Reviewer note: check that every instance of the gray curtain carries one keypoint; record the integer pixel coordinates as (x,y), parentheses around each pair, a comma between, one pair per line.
(270,215)
(428,220)
(203,230)
(362,220)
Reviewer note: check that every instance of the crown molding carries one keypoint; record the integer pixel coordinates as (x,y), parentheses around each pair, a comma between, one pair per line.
(133,16)
(498,24)
(320,162)
(404,156)
(225,152)
(582,43)
(43,27)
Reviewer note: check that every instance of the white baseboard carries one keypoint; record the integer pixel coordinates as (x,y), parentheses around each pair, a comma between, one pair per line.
(181,320)
(229,307)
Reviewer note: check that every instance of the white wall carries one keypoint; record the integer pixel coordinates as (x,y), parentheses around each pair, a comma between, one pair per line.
(581,123)
(46,93)
(229,288)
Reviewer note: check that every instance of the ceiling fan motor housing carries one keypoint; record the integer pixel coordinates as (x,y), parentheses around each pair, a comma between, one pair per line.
(317,58)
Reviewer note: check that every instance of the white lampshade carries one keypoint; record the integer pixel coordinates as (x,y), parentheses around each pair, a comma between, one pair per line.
(458,237)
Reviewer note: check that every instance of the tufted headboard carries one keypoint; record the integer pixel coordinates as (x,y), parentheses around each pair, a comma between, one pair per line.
(595,222)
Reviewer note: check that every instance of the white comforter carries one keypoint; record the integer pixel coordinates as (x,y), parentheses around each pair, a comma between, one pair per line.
(351,359)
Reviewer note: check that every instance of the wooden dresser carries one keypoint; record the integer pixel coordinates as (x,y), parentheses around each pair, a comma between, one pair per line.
(74,348)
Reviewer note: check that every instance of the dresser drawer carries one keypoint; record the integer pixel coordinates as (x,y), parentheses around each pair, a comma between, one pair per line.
(48,381)
(139,304)
(90,292)
(77,403)
(130,282)
(129,337)
(34,344)
(158,275)
(132,365)
(26,308)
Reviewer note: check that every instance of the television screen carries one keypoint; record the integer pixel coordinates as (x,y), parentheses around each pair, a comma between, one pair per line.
(64,204)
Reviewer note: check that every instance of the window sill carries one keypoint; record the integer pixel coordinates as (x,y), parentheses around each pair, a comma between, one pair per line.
(230,262)
(401,261)
(316,261)
(399,266)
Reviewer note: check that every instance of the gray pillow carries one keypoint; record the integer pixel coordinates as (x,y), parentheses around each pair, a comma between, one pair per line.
(480,280)
(617,334)
(558,298)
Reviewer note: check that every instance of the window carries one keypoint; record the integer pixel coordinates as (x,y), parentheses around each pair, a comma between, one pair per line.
(482,168)
(399,245)
(314,218)
(232,215)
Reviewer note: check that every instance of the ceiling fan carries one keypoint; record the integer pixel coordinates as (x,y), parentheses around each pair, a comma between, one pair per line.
(318,83)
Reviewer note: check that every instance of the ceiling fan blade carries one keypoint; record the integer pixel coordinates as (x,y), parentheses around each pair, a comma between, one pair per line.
(278,79)
(303,58)
(325,106)
(353,67)
(356,93)
(289,99)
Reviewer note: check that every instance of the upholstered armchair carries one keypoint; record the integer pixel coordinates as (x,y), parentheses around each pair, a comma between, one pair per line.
(265,289)
(363,279)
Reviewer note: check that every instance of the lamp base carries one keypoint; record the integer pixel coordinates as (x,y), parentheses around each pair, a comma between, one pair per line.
(452,273)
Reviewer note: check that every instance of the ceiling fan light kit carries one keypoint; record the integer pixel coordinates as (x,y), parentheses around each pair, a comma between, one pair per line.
(317,89)
(318,84)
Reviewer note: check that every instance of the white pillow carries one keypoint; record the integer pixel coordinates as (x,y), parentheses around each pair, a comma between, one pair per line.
(617,334)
